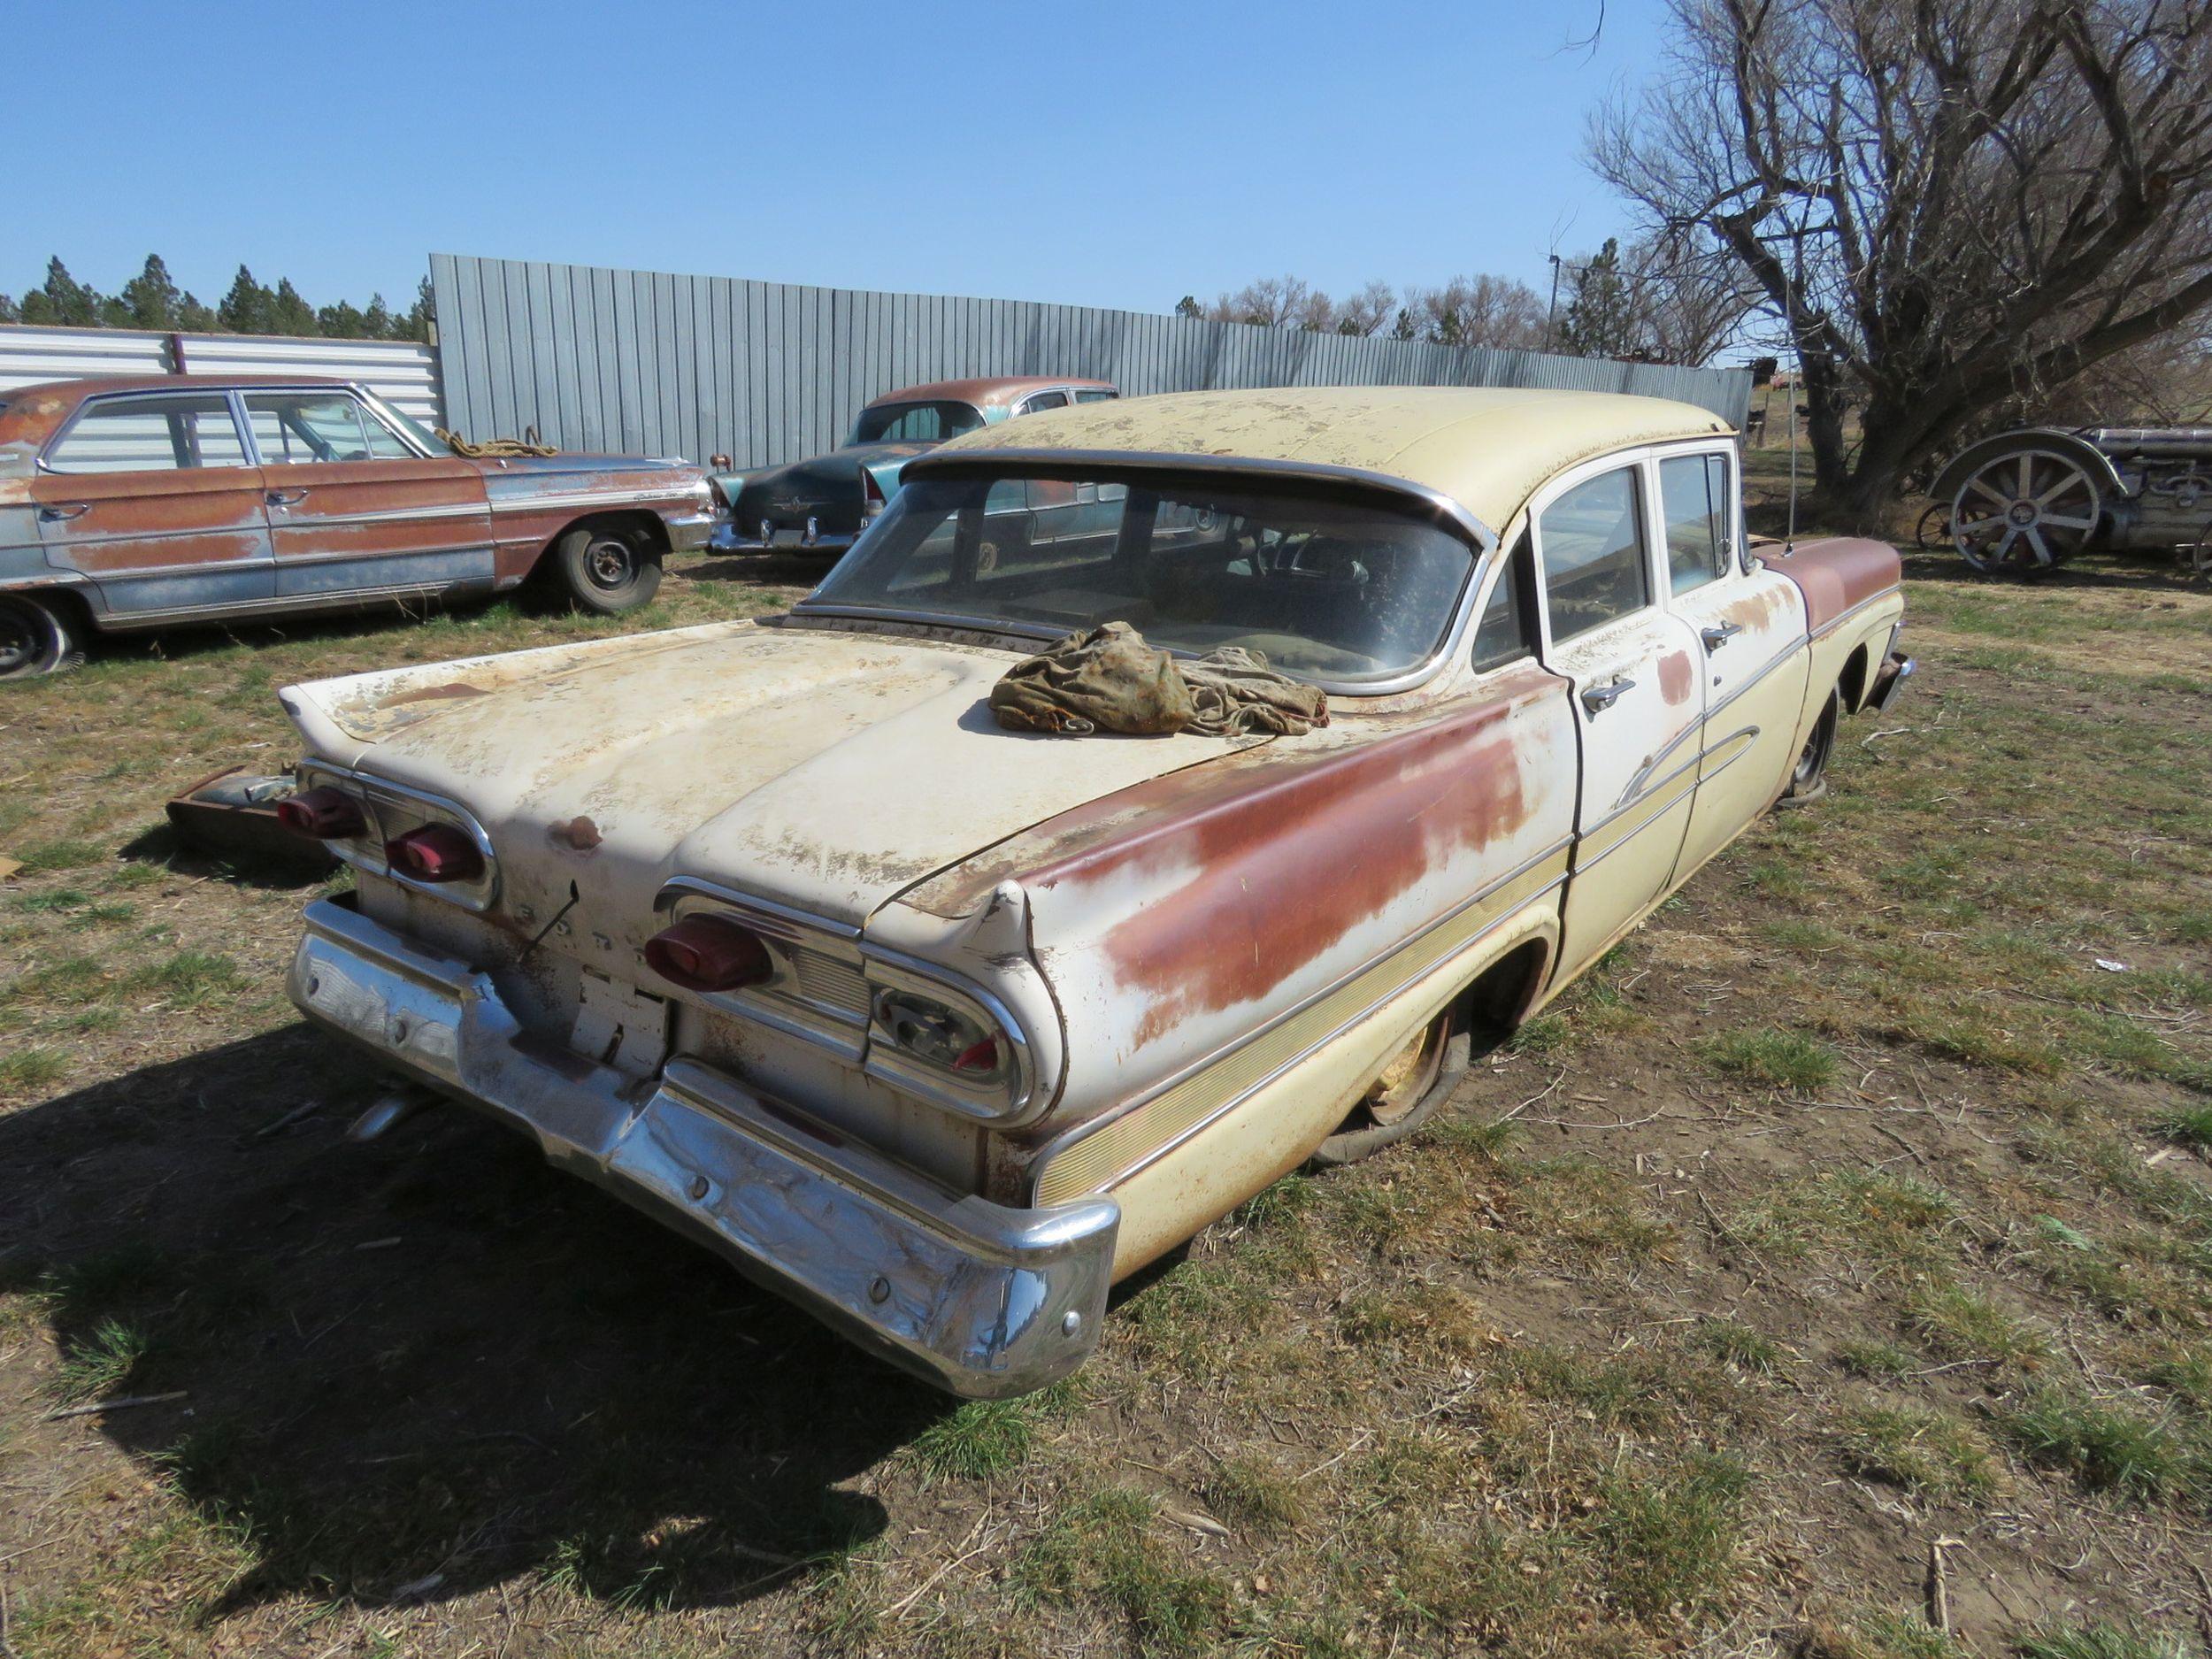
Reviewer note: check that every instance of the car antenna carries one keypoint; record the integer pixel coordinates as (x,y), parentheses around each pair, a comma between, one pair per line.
(1789,541)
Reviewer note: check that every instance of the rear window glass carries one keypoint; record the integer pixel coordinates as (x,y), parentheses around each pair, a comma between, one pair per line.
(1322,584)
(916,422)
(162,432)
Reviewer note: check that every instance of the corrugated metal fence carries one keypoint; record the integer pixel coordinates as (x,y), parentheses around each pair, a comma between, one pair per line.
(766,371)
(402,373)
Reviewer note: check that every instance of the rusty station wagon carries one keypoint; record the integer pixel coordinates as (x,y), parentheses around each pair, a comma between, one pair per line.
(143,501)
(941,1029)
(821,504)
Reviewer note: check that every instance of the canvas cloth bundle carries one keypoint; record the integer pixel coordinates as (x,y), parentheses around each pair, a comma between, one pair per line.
(1108,679)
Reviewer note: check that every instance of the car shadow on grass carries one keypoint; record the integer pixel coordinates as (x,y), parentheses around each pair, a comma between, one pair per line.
(418,1368)
(2135,572)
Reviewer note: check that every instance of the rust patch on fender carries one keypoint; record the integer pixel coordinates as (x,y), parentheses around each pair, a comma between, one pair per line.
(1837,574)
(1677,676)
(1280,853)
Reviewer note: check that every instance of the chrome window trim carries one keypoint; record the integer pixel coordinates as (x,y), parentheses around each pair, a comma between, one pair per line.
(476,897)
(1059,1143)
(212,389)
(1724,447)
(1028,463)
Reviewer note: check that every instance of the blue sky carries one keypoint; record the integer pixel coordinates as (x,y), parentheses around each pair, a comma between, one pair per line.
(1117,154)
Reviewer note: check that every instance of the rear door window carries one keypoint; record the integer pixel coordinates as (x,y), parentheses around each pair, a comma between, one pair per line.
(162,432)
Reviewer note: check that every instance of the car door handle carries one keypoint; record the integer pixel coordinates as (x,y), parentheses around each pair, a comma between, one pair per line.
(1597,699)
(1714,638)
(65,511)
(286,497)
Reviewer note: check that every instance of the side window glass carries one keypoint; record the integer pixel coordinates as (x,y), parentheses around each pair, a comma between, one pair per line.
(1591,541)
(1096,395)
(293,428)
(1695,511)
(1503,634)
(384,444)
(1045,400)
(165,432)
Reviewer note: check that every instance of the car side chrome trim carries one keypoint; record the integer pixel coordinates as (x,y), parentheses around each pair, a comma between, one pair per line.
(1835,622)
(1600,856)
(388,515)
(1059,1143)
(351,598)
(1636,783)
(587,498)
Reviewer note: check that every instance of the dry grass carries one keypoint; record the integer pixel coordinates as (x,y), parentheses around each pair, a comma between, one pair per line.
(1865,1204)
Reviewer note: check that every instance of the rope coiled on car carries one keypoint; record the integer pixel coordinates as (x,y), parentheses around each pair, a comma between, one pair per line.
(494,448)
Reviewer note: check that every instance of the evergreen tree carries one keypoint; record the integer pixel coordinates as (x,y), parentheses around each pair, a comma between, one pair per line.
(10,312)
(62,300)
(1600,318)
(249,308)
(377,322)
(290,314)
(422,316)
(150,300)
(195,318)
(342,321)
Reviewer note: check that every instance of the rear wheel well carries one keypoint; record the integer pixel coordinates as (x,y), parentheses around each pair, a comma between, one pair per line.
(636,522)
(1852,681)
(1501,994)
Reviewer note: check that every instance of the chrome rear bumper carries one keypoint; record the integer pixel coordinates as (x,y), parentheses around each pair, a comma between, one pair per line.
(980,1299)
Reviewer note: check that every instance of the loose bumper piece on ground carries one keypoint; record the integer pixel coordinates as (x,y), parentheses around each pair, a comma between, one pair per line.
(982,1299)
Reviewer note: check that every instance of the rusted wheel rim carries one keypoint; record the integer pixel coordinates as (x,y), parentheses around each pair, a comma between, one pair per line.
(609,562)
(22,638)
(1410,1074)
(2027,511)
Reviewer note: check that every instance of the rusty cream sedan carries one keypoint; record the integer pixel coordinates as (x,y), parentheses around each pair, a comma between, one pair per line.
(938,1029)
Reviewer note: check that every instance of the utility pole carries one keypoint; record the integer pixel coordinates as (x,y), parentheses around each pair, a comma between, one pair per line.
(1551,311)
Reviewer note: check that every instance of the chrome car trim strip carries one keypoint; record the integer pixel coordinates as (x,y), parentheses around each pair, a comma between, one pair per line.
(783,914)
(1835,622)
(1600,856)
(349,599)
(978,1298)
(1636,783)
(587,498)
(386,514)
(1060,1143)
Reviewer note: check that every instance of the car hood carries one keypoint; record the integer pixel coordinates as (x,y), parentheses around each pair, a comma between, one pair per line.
(839,467)
(826,770)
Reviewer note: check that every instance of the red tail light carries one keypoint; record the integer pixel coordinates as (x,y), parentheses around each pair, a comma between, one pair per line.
(705,953)
(325,814)
(436,852)
(872,500)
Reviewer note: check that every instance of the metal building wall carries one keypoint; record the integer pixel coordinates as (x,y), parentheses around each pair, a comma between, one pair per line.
(643,361)
(400,371)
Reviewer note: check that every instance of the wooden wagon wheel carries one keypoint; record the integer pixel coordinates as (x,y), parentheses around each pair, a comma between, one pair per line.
(2023,510)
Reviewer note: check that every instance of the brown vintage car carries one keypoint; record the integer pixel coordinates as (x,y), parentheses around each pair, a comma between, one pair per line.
(146,501)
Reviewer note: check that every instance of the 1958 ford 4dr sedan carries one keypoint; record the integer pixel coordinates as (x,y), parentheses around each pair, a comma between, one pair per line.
(156,501)
(938,1028)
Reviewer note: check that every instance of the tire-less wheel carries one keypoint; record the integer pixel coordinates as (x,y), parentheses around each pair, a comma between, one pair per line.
(2023,510)
(1405,1095)
(36,637)
(606,570)
(1809,778)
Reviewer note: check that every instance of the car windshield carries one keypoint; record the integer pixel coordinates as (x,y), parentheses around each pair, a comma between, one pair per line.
(1324,584)
(916,422)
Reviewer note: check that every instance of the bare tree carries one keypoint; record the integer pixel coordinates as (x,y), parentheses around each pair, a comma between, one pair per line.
(1943,204)
(1690,296)
(1477,310)
(1368,312)
(1270,301)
